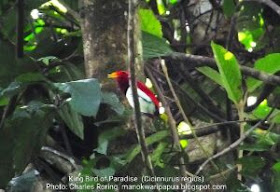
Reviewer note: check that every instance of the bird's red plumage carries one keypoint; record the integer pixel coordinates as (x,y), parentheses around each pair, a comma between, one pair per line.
(145,89)
(122,77)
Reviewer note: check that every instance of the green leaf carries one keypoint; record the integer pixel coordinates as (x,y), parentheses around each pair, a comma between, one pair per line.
(150,140)
(229,71)
(49,59)
(13,89)
(105,137)
(212,74)
(228,7)
(113,101)
(154,46)
(255,147)
(72,119)
(161,7)
(21,138)
(268,64)
(251,165)
(149,22)
(85,95)
(276,176)
(156,156)
(31,77)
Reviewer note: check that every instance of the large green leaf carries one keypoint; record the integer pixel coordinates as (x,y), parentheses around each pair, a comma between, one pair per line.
(269,64)
(21,137)
(229,71)
(113,101)
(149,22)
(85,95)
(72,119)
(154,46)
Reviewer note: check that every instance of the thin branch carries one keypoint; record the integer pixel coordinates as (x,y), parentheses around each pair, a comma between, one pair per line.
(171,121)
(233,145)
(193,61)
(269,3)
(186,119)
(131,43)
(20,28)
(60,154)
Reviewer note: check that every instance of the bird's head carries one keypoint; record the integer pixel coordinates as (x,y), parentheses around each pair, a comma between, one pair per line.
(118,75)
(122,78)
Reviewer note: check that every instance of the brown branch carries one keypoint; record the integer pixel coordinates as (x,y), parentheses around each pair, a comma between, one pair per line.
(171,121)
(269,3)
(132,60)
(20,28)
(233,145)
(193,61)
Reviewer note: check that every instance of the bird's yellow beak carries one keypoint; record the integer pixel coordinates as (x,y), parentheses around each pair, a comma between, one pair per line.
(113,75)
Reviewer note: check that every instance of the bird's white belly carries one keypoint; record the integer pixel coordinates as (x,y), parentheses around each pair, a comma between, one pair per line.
(146,104)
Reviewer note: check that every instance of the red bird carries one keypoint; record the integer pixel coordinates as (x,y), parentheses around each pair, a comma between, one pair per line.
(149,104)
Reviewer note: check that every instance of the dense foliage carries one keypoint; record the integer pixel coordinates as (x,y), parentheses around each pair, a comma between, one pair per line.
(222,60)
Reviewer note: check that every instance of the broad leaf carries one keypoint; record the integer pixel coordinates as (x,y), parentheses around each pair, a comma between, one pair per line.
(21,137)
(154,46)
(229,71)
(72,119)
(251,165)
(212,74)
(150,140)
(149,23)
(85,95)
(105,137)
(268,64)
(113,101)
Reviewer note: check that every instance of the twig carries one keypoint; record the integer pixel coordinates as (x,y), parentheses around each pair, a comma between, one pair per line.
(60,154)
(269,3)
(186,119)
(131,43)
(20,28)
(193,61)
(233,145)
(171,121)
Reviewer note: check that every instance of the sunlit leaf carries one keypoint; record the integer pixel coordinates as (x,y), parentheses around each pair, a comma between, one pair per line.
(149,22)
(161,7)
(268,64)
(184,143)
(150,140)
(154,46)
(229,72)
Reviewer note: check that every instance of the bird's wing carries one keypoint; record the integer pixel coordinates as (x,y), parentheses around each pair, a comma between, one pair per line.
(146,103)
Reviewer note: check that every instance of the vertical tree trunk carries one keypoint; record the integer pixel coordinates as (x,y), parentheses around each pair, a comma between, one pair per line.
(104,28)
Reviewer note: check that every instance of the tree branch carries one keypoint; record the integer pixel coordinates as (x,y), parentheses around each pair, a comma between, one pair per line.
(132,44)
(269,3)
(233,145)
(193,61)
